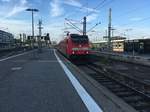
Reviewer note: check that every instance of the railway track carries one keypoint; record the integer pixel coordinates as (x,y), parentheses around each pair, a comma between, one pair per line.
(132,91)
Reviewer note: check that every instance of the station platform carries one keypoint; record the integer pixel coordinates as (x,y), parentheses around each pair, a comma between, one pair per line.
(143,59)
(45,82)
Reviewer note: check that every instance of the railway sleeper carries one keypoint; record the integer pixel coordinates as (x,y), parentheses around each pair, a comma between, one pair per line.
(106,80)
(125,94)
(116,86)
(142,108)
(131,86)
(112,85)
(115,90)
(135,97)
(143,103)
(103,80)
(147,92)
(106,83)
(136,100)
(145,110)
(96,75)
(100,77)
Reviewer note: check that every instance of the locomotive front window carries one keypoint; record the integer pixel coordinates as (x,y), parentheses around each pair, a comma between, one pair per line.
(79,39)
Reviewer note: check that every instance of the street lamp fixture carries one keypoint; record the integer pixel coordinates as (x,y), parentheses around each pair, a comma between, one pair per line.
(36,10)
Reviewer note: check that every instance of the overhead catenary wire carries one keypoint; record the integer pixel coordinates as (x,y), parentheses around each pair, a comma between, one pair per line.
(93,27)
(99,6)
(146,18)
(75,12)
(75,28)
(101,3)
(72,24)
(131,11)
(84,6)
(106,4)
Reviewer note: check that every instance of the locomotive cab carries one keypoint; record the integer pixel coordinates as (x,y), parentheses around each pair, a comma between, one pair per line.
(78,45)
(75,45)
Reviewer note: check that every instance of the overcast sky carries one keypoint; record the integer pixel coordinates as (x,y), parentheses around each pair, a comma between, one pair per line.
(130,17)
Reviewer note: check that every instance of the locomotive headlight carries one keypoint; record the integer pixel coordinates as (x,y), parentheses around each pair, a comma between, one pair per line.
(73,52)
(87,52)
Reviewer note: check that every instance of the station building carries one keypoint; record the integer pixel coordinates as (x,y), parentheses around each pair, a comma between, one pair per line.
(6,39)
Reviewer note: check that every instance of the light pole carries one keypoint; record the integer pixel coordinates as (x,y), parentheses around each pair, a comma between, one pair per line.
(127,30)
(32,10)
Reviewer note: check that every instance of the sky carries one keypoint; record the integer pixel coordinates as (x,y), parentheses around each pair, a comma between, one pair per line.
(130,18)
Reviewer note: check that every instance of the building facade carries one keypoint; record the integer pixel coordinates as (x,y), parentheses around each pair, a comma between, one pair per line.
(6,39)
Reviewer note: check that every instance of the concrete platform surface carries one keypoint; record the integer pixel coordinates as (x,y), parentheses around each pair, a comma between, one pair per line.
(36,83)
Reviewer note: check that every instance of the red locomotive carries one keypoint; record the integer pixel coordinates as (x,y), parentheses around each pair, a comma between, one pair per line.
(75,45)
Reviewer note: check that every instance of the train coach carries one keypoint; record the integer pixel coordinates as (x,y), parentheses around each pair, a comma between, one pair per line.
(75,45)
(138,45)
